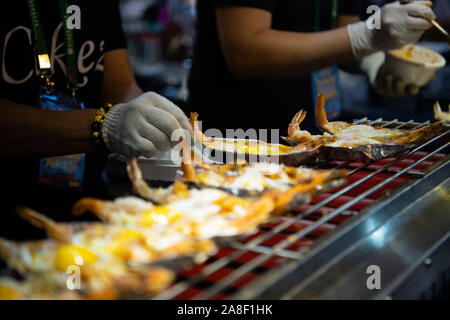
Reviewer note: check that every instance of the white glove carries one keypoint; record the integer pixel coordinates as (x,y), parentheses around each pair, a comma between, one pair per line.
(144,126)
(383,82)
(400,25)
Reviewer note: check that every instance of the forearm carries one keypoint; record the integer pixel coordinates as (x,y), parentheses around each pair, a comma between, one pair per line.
(274,54)
(119,84)
(121,92)
(253,49)
(31,132)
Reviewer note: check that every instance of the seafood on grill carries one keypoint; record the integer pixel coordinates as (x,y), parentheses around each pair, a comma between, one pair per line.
(45,265)
(439,114)
(238,146)
(37,288)
(205,213)
(286,187)
(244,150)
(254,179)
(347,141)
(343,134)
(125,254)
(142,242)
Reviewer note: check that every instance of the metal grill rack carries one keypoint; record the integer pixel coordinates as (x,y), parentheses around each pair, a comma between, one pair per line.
(286,251)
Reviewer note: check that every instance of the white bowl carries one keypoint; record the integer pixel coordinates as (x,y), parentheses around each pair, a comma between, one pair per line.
(414,64)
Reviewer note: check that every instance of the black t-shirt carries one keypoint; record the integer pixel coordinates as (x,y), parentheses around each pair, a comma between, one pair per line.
(101,31)
(222,100)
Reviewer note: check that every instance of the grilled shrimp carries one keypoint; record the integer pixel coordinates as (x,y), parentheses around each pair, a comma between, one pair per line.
(131,239)
(141,187)
(187,162)
(260,177)
(58,232)
(439,114)
(28,257)
(303,137)
(110,210)
(199,214)
(295,134)
(321,117)
(197,132)
(34,288)
(44,265)
(238,146)
(104,272)
(156,195)
(350,135)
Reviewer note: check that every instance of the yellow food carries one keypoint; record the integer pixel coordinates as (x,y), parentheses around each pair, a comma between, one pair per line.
(248,147)
(415,54)
(159,215)
(8,293)
(68,255)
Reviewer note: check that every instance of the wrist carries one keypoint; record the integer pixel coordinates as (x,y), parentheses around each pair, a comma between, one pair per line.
(110,127)
(97,127)
(361,39)
(371,65)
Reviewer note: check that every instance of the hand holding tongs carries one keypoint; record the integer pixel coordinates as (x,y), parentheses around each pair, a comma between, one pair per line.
(434,22)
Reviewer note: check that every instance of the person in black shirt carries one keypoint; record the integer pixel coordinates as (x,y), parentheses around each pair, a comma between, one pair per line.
(254,58)
(138,124)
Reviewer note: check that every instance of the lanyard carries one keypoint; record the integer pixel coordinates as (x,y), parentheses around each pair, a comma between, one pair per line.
(334,14)
(41,47)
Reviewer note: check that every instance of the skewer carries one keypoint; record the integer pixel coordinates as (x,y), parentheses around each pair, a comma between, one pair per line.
(441,29)
(434,22)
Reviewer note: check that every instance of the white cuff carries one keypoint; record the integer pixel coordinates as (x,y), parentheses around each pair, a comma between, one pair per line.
(371,65)
(110,125)
(361,39)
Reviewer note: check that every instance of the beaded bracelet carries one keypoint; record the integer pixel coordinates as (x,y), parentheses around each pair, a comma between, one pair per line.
(97,124)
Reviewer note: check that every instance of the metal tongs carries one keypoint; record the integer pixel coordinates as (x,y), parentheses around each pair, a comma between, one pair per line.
(434,22)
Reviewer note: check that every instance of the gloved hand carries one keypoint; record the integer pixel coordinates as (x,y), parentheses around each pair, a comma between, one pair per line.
(400,25)
(383,82)
(144,126)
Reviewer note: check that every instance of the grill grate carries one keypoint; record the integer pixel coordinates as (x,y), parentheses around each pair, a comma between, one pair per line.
(289,238)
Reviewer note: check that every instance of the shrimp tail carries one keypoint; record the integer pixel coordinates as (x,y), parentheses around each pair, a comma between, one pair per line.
(321,115)
(439,114)
(138,183)
(58,232)
(322,120)
(295,123)
(187,162)
(297,136)
(98,207)
(197,132)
